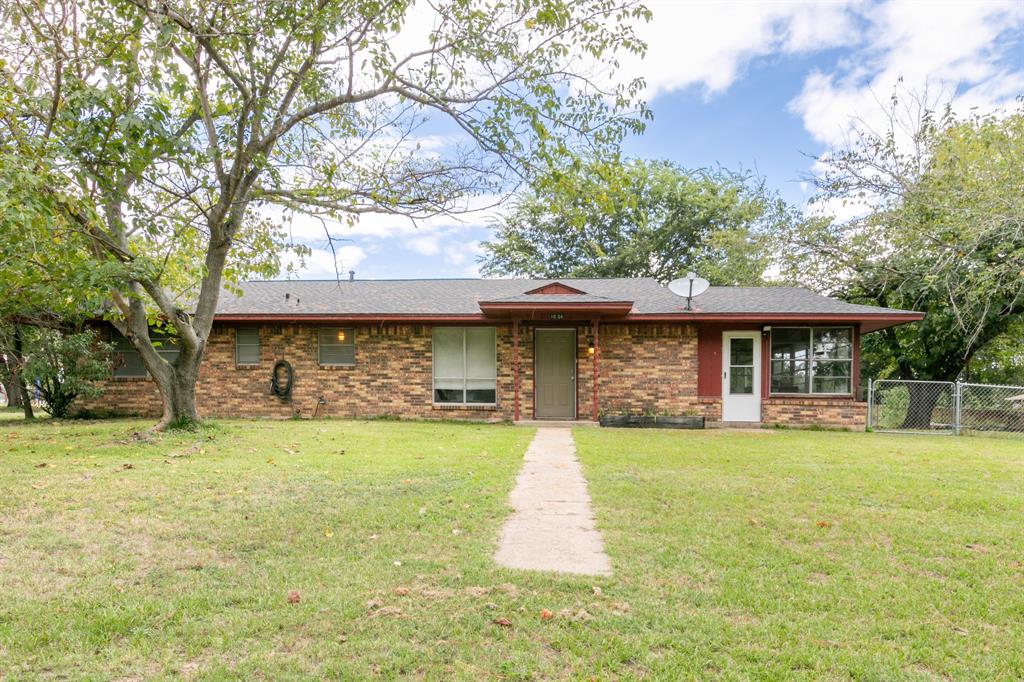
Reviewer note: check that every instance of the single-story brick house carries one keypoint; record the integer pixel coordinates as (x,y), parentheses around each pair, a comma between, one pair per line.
(515,349)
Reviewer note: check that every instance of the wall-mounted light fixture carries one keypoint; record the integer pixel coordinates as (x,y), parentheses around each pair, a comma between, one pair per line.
(590,348)
(341,335)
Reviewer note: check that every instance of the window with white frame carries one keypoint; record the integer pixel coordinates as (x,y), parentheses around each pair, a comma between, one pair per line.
(336,346)
(247,346)
(465,366)
(812,360)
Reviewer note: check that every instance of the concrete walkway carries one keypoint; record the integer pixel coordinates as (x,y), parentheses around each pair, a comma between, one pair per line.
(552,527)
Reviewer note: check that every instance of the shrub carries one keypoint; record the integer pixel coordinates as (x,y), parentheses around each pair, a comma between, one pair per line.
(64,366)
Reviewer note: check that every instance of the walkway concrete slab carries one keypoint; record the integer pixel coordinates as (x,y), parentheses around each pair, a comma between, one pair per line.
(552,526)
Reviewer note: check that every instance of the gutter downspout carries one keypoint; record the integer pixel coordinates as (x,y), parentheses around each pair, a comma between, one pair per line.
(515,369)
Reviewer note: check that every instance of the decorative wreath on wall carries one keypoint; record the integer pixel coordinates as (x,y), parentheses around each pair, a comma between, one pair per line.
(281,379)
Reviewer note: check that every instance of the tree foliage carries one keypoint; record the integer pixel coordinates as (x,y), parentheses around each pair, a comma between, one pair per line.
(164,133)
(941,232)
(639,218)
(65,366)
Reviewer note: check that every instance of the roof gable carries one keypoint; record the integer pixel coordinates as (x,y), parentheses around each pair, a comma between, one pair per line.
(554,289)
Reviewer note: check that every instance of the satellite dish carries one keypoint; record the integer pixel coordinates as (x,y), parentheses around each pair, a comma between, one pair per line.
(689,286)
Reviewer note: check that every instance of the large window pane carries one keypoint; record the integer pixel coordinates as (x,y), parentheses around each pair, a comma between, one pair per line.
(833,343)
(464,365)
(336,346)
(789,376)
(791,343)
(832,376)
(812,360)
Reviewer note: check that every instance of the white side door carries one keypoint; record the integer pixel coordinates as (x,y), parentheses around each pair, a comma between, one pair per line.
(741,377)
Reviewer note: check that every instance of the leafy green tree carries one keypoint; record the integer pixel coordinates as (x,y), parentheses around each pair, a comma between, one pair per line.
(164,132)
(1001,361)
(639,218)
(942,232)
(65,366)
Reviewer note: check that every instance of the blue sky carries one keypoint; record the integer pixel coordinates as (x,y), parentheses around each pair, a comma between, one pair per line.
(757,86)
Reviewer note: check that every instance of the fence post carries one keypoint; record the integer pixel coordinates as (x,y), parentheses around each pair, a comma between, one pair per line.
(871,400)
(957,390)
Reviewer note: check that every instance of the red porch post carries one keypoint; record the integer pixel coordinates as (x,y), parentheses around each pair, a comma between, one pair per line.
(515,369)
(597,370)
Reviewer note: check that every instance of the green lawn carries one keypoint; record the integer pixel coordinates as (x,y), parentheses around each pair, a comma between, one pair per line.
(759,554)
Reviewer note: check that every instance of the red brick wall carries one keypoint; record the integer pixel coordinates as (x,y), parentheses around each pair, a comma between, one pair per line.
(644,368)
(648,369)
(392,376)
(832,412)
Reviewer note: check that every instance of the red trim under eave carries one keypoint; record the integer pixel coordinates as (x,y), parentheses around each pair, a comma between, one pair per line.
(618,308)
(868,323)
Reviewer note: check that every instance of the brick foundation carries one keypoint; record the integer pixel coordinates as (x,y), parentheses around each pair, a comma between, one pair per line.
(830,412)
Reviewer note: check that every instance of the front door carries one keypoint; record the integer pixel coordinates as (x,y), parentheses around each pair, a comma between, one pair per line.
(741,377)
(555,373)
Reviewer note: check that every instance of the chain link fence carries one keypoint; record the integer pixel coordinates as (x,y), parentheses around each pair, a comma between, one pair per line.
(905,406)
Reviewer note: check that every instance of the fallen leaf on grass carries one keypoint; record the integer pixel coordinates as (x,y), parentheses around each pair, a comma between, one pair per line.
(36,486)
(43,465)
(328,533)
(294,597)
(823,524)
(126,466)
(503,622)
(401,591)
(597,591)
(546,615)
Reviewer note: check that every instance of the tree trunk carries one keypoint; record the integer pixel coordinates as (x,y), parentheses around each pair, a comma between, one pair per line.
(178,393)
(19,377)
(12,388)
(921,406)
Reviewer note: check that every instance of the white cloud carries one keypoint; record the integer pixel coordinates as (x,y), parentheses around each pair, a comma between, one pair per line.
(942,51)
(427,245)
(707,44)
(321,263)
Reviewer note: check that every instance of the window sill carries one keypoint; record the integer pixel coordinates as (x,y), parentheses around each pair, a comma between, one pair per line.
(245,366)
(334,367)
(129,380)
(811,396)
(465,406)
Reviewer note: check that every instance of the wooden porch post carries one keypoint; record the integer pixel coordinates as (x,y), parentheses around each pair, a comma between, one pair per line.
(597,368)
(515,369)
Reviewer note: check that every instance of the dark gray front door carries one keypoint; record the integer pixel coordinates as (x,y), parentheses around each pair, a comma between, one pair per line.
(555,367)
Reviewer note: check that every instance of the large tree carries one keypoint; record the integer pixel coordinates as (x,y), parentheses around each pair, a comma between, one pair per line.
(940,230)
(166,130)
(638,218)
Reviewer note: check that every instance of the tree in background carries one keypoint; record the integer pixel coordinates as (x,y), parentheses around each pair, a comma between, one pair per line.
(65,365)
(164,131)
(942,232)
(1001,361)
(639,218)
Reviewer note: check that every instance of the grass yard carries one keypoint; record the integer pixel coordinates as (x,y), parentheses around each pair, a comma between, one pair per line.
(753,554)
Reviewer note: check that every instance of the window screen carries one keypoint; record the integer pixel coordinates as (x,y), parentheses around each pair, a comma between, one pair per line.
(128,361)
(336,346)
(247,346)
(812,360)
(465,367)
